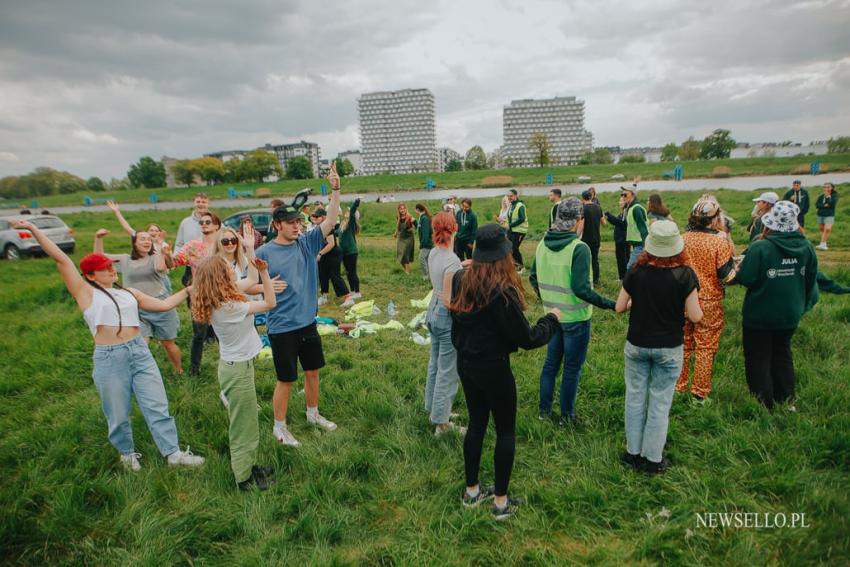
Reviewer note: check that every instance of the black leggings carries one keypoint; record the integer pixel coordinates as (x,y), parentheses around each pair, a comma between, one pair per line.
(463,249)
(329,272)
(594,261)
(769,365)
(489,389)
(350,263)
(622,250)
(516,240)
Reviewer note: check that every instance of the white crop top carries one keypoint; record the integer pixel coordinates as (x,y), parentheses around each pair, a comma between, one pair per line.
(102,310)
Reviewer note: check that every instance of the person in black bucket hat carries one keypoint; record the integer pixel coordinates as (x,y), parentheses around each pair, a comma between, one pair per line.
(488,323)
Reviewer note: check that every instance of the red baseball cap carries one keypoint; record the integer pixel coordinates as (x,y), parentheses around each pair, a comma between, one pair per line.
(94,263)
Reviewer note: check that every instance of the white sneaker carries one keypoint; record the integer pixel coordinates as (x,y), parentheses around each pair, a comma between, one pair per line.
(223,399)
(348,302)
(356,295)
(284,437)
(185,458)
(452,428)
(822,246)
(320,421)
(323,299)
(131,461)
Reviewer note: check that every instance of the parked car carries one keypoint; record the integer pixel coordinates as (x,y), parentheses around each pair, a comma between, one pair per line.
(17,243)
(261,218)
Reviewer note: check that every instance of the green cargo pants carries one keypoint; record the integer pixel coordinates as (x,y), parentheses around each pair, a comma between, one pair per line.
(236,380)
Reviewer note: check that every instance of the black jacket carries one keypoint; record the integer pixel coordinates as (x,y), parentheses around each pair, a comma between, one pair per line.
(619,223)
(497,329)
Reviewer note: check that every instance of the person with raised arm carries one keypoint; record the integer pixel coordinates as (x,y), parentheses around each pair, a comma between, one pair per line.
(123,364)
(291,256)
(216,299)
(160,245)
(143,269)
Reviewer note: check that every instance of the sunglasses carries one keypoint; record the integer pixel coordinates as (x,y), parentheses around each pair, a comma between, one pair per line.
(203,222)
(229,241)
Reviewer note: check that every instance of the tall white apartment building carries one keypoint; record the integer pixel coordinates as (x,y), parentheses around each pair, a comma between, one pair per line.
(398,132)
(560,118)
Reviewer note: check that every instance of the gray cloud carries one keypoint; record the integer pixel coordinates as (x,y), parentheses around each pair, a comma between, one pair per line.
(91,86)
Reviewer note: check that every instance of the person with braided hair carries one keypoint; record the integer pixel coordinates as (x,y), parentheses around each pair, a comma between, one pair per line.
(123,364)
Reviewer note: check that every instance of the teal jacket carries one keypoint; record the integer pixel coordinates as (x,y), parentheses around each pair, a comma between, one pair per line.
(580,284)
(467,225)
(423,226)
(826,205)
(780,274)
(348,237)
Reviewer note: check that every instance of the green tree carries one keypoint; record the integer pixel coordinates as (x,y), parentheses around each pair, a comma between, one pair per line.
(454,165)
(539,142)
(597,156)
(343,167)
(717,145)
(233,171)
(259,164)
(184,172)
(299,168)
(840,145)
(475,158)
(118,184)
(95,184)
(11,188)
(632,158)
(209,169)
(689,150)
(147,173)
(670,152)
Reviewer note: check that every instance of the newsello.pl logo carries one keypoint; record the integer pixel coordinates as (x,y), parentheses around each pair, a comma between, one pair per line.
(751,520)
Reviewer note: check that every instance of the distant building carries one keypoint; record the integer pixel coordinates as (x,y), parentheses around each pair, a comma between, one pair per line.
(397,131)
(286,152)
(446,155)
(227,155)
(324,167)
(561,119)
(356,159)
(168,163)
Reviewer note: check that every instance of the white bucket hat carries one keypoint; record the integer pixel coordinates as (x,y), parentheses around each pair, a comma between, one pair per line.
(664,240)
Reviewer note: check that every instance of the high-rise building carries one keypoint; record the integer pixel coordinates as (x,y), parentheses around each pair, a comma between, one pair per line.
(561,119)
(398,132)
(286,152)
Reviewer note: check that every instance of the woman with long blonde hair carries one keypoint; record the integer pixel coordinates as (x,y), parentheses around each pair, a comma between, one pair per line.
(217,300)
(404,234)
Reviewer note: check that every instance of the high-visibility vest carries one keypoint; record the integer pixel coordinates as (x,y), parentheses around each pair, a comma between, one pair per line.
(523,227)
(632,232)
(554,279)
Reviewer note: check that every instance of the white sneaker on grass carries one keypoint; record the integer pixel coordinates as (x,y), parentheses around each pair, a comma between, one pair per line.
(356,295)
(323,299)
(185,458)
(348,302)
(450,427)
(320,421)
(284,437)
(131,461)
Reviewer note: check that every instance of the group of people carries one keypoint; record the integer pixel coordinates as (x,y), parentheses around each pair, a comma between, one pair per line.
(672,286)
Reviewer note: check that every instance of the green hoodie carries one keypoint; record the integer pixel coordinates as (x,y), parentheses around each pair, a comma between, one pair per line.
(556,241)
(424,227)
(467,225)
(780,274)
(348,238)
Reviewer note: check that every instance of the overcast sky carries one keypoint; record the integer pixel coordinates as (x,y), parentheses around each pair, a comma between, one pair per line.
(90,86)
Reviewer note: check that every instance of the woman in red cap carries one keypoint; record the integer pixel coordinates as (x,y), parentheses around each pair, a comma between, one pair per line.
(123,363)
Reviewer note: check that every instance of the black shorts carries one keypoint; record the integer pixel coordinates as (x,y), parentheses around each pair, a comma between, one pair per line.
(288,348)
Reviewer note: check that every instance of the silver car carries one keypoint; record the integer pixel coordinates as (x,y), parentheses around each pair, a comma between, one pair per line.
(16,243)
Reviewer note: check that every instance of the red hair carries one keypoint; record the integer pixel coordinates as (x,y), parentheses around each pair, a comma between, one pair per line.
(442,227)
(647,259)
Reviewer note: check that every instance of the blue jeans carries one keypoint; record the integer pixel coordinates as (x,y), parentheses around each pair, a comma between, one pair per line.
(125,369)
(651,375)
(442,382)
(636,250)
(569,345)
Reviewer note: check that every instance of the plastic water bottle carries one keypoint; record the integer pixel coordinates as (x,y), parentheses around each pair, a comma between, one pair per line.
(391,309)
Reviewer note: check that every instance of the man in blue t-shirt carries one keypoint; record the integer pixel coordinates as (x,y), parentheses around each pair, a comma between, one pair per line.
(291,324)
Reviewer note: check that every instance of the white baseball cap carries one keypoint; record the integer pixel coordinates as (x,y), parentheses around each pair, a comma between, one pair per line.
(767,197)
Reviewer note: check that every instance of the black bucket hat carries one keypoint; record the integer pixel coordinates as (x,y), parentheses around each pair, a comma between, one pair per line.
(491,244)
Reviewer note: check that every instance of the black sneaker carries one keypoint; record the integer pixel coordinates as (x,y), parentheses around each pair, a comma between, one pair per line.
(484,493)
(633,461)
(507,511)
(258,480)
(194,371)
(652,468)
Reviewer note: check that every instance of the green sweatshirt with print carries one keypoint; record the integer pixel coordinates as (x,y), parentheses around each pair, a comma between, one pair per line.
(348,238)
(780,274)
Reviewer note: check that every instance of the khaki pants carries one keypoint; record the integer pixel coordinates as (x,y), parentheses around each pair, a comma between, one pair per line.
(236,380)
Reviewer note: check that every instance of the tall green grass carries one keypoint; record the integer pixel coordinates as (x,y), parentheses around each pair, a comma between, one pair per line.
(382,490)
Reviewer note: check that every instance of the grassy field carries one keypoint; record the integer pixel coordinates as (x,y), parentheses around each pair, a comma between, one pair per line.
(382,490)
(466,179)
